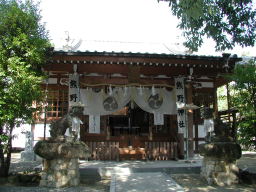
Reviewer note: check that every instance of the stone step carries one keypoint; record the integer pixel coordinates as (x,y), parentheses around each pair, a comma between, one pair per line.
(143,182)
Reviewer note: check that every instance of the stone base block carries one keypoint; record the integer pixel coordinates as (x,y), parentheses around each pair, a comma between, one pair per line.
(60,173)
(219,172)
(27,156)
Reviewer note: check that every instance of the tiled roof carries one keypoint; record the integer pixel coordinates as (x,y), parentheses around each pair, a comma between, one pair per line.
(130,49)
(126,47)
(145,55)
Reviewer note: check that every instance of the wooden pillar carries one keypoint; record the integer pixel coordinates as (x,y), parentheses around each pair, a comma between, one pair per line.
(215,101)
(180,145)
(190,122)
(107,128)
(150,136)
(196,138)
(178,151)
(84,127)
(180,141)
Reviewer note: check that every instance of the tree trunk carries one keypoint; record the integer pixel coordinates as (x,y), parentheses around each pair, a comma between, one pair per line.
(1,154)
(5,162)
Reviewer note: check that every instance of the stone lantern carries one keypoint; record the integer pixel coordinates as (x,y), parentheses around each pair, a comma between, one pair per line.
(220,154)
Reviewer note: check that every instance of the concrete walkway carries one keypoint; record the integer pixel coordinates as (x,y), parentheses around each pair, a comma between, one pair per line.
(107,168)
(144,182)
(140,176)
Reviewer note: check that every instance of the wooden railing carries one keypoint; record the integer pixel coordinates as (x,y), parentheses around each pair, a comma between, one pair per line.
(103,150)
(161,150)
(229,117)
(154,150)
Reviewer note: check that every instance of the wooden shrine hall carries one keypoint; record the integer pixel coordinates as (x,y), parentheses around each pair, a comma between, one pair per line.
(132,100)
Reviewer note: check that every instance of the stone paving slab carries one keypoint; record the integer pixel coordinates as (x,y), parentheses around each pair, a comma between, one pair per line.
(140,164)
(106,168)
(144,182)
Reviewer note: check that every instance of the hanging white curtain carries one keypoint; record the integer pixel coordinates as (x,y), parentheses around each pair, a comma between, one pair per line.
(157,101)
(100,103)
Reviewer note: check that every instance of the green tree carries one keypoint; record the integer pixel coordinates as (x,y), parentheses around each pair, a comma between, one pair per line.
(227,22)
(243,97)
(222,98)
(24,47)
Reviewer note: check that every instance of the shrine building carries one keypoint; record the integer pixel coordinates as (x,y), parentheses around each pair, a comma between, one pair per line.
(137,106)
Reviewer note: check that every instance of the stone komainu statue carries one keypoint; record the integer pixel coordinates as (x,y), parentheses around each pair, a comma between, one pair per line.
(222,131)
(60,126)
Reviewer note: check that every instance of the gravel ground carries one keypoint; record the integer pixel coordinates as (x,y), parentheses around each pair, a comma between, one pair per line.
(194,183)
(44,189)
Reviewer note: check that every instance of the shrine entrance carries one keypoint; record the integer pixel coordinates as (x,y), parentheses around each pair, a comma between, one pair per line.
(131,125)
(134,123)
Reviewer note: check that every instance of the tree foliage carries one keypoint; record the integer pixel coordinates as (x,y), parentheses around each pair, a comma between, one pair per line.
(24,47)
(243,97)
(227,22)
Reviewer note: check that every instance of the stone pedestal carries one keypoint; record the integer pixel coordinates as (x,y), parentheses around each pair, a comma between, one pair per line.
(219,163)
(27,156)
(60,173)
(60,162)
(220,172)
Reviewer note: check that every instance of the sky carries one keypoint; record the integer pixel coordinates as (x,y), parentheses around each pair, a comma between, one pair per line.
(144,21)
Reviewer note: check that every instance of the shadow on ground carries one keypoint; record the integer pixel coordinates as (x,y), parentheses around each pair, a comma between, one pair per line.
(194,183)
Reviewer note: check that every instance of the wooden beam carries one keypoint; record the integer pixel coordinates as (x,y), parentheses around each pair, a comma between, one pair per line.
(123,81)
(124,69)
(141,59)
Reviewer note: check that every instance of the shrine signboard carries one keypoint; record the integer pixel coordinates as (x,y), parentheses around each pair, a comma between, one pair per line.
(180,102)
(74,95)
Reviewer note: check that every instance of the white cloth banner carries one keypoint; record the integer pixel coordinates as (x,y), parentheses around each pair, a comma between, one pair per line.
(94,124)
(74,95)
(158,119)
(157,101)
(180,102)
